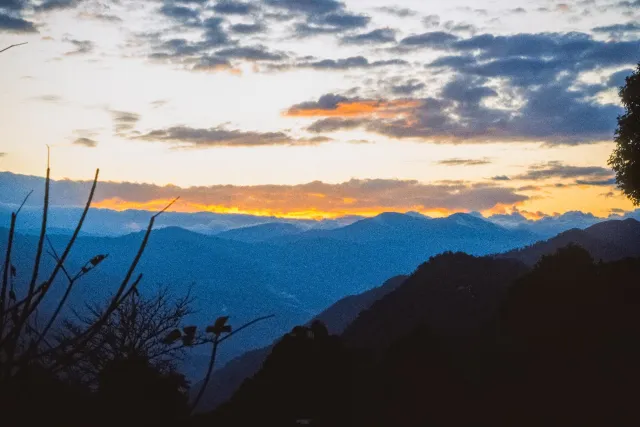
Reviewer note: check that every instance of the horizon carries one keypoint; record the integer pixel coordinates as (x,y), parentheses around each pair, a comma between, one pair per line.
(324,109)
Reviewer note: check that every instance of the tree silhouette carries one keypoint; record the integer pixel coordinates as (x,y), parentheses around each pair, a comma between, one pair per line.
(137,329)
(625,159)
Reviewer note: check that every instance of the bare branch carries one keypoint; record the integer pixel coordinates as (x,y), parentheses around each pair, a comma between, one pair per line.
(13,45)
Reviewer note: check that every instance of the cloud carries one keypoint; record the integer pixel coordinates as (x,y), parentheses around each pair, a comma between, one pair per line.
(230,7)
(331,105)
(183,14)
(319,16)
(500,178)
(516,88)
(349,63)
(248,28)
(365,196)
(433,39)
(2,154)
(212,64)
(82,47)
(254,53)
(407,88)
(431,21)
(379,36)
(86,142)
(464,162)
(315,7)
(124,121)
(50,5)
(12,24)
(221,136)
(618,30)
(400,12)
(582,175)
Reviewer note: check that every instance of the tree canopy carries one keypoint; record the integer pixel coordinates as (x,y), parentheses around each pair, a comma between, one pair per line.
(625,159)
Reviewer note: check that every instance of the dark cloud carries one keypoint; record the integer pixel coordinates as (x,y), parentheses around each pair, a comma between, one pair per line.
(349,63)
(433,39)
(408,88)
(597,183)
(619,30)
(557,169)
(464,162)
(12,24)
(230,7)
(317,17)
(220,136)
(256,53)
(335,124)
(212,63)
(340,21)
(86,142)
(82,47)
(248,28)
(618,78)
(400,12)
(182,14)
(379,36)
(50,5)
(500,178)
(315,7)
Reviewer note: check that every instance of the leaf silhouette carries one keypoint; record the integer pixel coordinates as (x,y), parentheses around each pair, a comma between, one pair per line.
(173,336)
(97,259)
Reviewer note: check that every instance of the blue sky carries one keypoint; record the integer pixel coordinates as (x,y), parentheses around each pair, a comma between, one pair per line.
(321,108)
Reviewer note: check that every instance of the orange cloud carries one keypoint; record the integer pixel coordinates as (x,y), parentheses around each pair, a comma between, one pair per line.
(355,108)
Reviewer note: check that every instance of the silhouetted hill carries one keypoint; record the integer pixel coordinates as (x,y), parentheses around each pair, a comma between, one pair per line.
(227,379)
(339,315)
(260,233)
(451,294)
(607,241)
(556,345)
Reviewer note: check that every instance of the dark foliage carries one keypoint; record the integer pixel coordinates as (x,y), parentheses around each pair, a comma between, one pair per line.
(306,379)
(625,159)
(132,392)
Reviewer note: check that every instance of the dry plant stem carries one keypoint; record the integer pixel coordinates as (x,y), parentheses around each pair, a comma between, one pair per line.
(65,254)
(17,328)
(13,45)
(207,377)
(7,265)
(216,342)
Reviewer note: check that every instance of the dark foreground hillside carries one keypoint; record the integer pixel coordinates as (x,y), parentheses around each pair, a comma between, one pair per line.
(559,347)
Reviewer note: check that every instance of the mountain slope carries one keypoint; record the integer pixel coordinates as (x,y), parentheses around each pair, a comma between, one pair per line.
(607,241)
(260,233)
(451,294)
(337,317)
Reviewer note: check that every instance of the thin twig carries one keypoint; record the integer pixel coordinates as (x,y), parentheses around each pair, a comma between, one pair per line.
(246,325)
(13,45)
(216,342)
(212,362)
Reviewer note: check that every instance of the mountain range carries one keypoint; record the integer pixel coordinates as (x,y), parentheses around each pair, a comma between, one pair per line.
(454,294)
(286,270)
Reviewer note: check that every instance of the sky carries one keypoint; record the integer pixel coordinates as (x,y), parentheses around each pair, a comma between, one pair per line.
(321,108)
